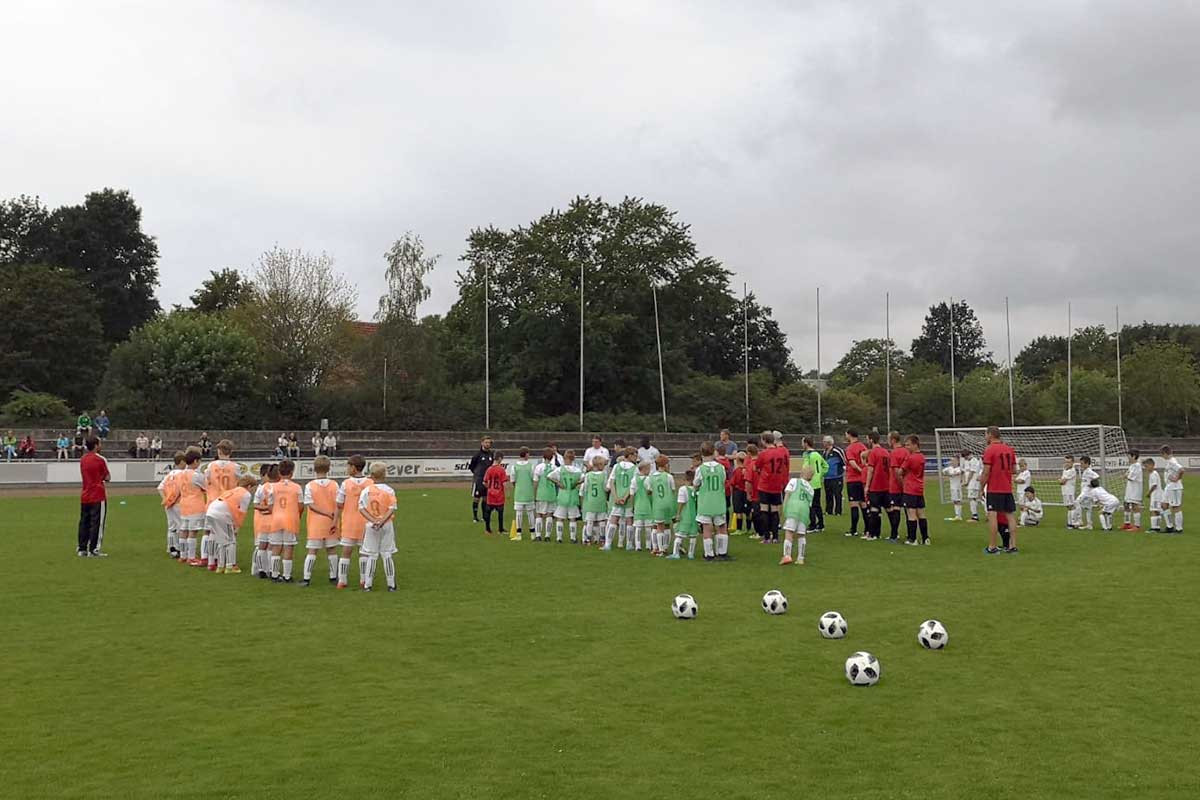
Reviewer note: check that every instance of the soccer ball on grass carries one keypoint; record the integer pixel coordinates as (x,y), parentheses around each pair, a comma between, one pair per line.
(684,606)
(774,602)
(932,635)
(863,669)
(832,625)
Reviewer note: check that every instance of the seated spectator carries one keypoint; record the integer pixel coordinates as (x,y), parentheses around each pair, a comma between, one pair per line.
(27,450)
(62,447)
(281,445)
(330,444)
(77,445)
(84,423)
(143,446)
(102,424)
(293,446)
(10,446)
(318,442)
(156,447)
(205,445)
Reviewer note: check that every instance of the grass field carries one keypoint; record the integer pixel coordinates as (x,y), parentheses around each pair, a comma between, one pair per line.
(537,670)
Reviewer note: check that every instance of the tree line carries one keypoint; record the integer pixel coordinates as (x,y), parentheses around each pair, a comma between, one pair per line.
(277,344)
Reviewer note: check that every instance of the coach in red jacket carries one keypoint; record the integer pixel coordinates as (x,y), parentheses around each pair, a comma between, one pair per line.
(93,500)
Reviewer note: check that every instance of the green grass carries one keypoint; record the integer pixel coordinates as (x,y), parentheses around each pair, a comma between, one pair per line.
(537,670)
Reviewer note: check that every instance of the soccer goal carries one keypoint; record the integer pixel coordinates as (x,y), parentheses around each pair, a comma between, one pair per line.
(1043,447)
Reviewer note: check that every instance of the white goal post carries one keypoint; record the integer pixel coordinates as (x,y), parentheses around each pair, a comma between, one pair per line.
(1043,448)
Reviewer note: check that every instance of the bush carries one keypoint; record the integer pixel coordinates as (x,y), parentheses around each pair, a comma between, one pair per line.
(36,408)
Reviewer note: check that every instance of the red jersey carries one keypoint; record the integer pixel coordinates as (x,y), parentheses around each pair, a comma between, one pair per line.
(896,460)
(751,473)
(877,459)
(737,480)
(914,474)
(1001,458)
(855,473)
(93,471)
(728,465)
(494,480)
(773,467)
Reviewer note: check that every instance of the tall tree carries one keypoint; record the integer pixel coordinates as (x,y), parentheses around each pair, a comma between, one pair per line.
(1161,389)
(300,314)
(970,346)
(864,357)
(50,339)
(1092,347)
(24,230)
(407,266)
(222,291)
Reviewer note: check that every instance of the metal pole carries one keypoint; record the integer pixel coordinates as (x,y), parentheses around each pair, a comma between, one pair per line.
(746,351)
(662,386)
(887,355)
(385,386)
(1070,335)
(1120,415)
(819,428)
(581,344)
(1012,413)
(487,353)
(953,388)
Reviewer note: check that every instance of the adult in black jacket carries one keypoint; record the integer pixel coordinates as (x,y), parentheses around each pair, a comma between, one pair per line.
(479,465)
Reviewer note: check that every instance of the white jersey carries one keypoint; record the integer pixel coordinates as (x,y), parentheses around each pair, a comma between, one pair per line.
(162,485)
(1101,497)
(1173,473)
(1024,479)
(1033,508)
(1085,479)
(1154,485)
(954,475)
(973,468)
(1133,478)
(1068,478)
(646,455)
(590,454)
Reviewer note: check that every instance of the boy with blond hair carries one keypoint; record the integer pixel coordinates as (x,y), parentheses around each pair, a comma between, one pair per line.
(620,486)
(545,496)
(663,503)
(595,502)
(377,505)
(224,518)
(287,505)
(520,475)
(168,490)
(686,527)
(797,500)
(349,522)
(261,561)
(710,505)
(566,508)
(320,499)
(643,508)
(220,476)
(192,506)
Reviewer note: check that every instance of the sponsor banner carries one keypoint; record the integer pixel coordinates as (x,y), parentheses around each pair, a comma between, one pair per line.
(153,471)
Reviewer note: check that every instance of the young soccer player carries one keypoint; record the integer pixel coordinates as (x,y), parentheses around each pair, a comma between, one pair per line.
(261,561)
(972,468)
(566,502)
(750,474)
(738,499)
(710,505)
(1083,505)
(1131,514)
(520,475)
(877,482)
(820,468)
(349,522)
(595,502)
(856,471)
(912,477)
(1031,508)
(774,465)
(686,527)
(220,476)
(168,490)
(495,480)
(643,508)
(663,503)
(897,456)
(1024,478)
(797,498)
(1154,488)
(954,473)
(1106,500)
(223,518)
(1067,481)
(287,505)
(1172,502)
(192,506)
(377,505)
(621,480)
(545,496)
(320,499)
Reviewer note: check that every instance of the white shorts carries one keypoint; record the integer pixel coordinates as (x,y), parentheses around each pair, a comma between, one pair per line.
(192,522)
(319,544)
(594,516)
(1172,497)
(282,539)
(1110,508)
(543,507)
(717,519)
(566,512)
(1030,521)
(1068,496)
(174,519)
(625,511)
(1156,498)
(1133,495)
(262,538)
(221,530)
(973,491)
(344,542)
(956,492)
(794,525)
(378,541)
(519,507)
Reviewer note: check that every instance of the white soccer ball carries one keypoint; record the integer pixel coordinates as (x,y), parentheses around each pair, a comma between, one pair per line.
(932,635)
(863,669)
(832,625)
(774,602)
(684,606)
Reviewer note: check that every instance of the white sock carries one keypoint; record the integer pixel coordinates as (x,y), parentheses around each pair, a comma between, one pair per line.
(610,531)
(1137,519)
(1105,521)
(343,574)
(531,516)
(191,548)
(287,569)
(537,528)
(574,528)
(369,572)
(676,545)
(708,548)
(722,543)
(662,541)
(231,555)
(276,563)
(204,547)
(389,571)
(1179,520)
(362,567)
(691,546)
(558,528)
(622,531)
(1154,522)
(801,546)
(958,510)
(971,503)
(787,548)
(310,561)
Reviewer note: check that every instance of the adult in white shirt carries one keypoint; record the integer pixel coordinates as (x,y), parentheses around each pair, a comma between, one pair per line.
(1135,477)
(1172,501)
(597,449)
(156,447)
(142,442)
(648,454)
(329,445)
(318,442)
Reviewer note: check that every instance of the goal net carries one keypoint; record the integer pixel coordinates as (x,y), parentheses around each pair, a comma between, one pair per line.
(1043,448)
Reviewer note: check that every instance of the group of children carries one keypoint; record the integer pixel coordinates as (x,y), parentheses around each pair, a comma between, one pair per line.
(206,506)
(1083,492)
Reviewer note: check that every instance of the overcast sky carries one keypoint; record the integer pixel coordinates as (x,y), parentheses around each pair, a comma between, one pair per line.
(1044,150)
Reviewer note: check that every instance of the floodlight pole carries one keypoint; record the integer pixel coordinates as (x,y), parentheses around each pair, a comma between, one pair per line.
(487,355)
(1120,415)
(1070,336)
(1012,413)
(953,388)
(887,355)
(819,427)
(746,351)
(662,386)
